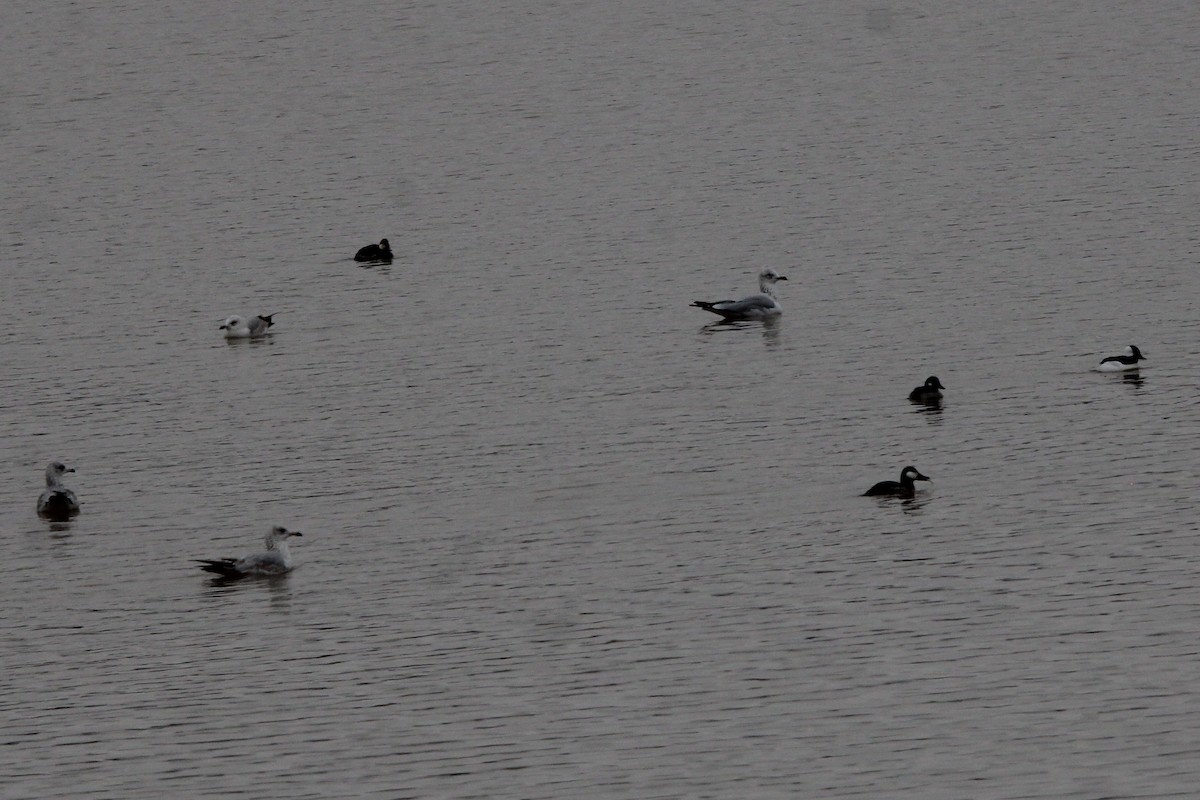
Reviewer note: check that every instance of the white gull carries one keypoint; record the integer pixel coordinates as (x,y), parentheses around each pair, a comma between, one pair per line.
(755,306)
(277,560)
(239,327)
(57,502)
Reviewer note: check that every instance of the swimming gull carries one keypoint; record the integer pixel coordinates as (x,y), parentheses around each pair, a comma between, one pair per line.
(375,252)
(238,327)
(277,560)
(755,306)
(57,502)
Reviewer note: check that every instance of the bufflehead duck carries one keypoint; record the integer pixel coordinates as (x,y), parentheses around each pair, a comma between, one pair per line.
(755,306)
(275,561)
(57,503)
(237,327)
(902,488)
(928,391)
(375,252)
(1122,363)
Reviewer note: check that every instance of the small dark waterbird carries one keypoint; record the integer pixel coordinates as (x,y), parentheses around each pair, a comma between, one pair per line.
(375,252)
(901,488)
(1123,363)
(928,391)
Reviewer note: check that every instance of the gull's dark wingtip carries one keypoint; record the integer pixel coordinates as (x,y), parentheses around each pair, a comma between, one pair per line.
(225,568)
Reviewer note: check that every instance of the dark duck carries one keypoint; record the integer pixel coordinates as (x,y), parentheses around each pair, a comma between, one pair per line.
(375,252)
(901,488)
(1124,363)
(927,392)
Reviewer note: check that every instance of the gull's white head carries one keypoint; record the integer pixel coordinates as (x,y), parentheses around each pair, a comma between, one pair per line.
(767,279)
(54,472)
(235,327)
(278,535)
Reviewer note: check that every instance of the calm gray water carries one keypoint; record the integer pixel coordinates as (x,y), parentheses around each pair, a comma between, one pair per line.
(563,539)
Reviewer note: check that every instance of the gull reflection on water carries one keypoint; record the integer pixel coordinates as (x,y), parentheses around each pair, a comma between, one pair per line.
(277,587)
(770,328)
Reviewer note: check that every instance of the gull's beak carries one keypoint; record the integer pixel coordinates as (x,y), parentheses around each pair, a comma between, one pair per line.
(70,469)
(782,278)
(295,533)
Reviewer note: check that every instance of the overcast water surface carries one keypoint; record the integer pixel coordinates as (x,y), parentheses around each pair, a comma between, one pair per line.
(564,538)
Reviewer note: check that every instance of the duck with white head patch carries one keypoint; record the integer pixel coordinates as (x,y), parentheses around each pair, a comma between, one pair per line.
(902,488)
(1123,363)
(756,306)
(57,503)
(375,252)
(928,392)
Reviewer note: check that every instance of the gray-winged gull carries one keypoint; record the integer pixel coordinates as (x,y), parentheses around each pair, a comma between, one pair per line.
(239,327)
(277,560)
(57,502)
(756,306)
